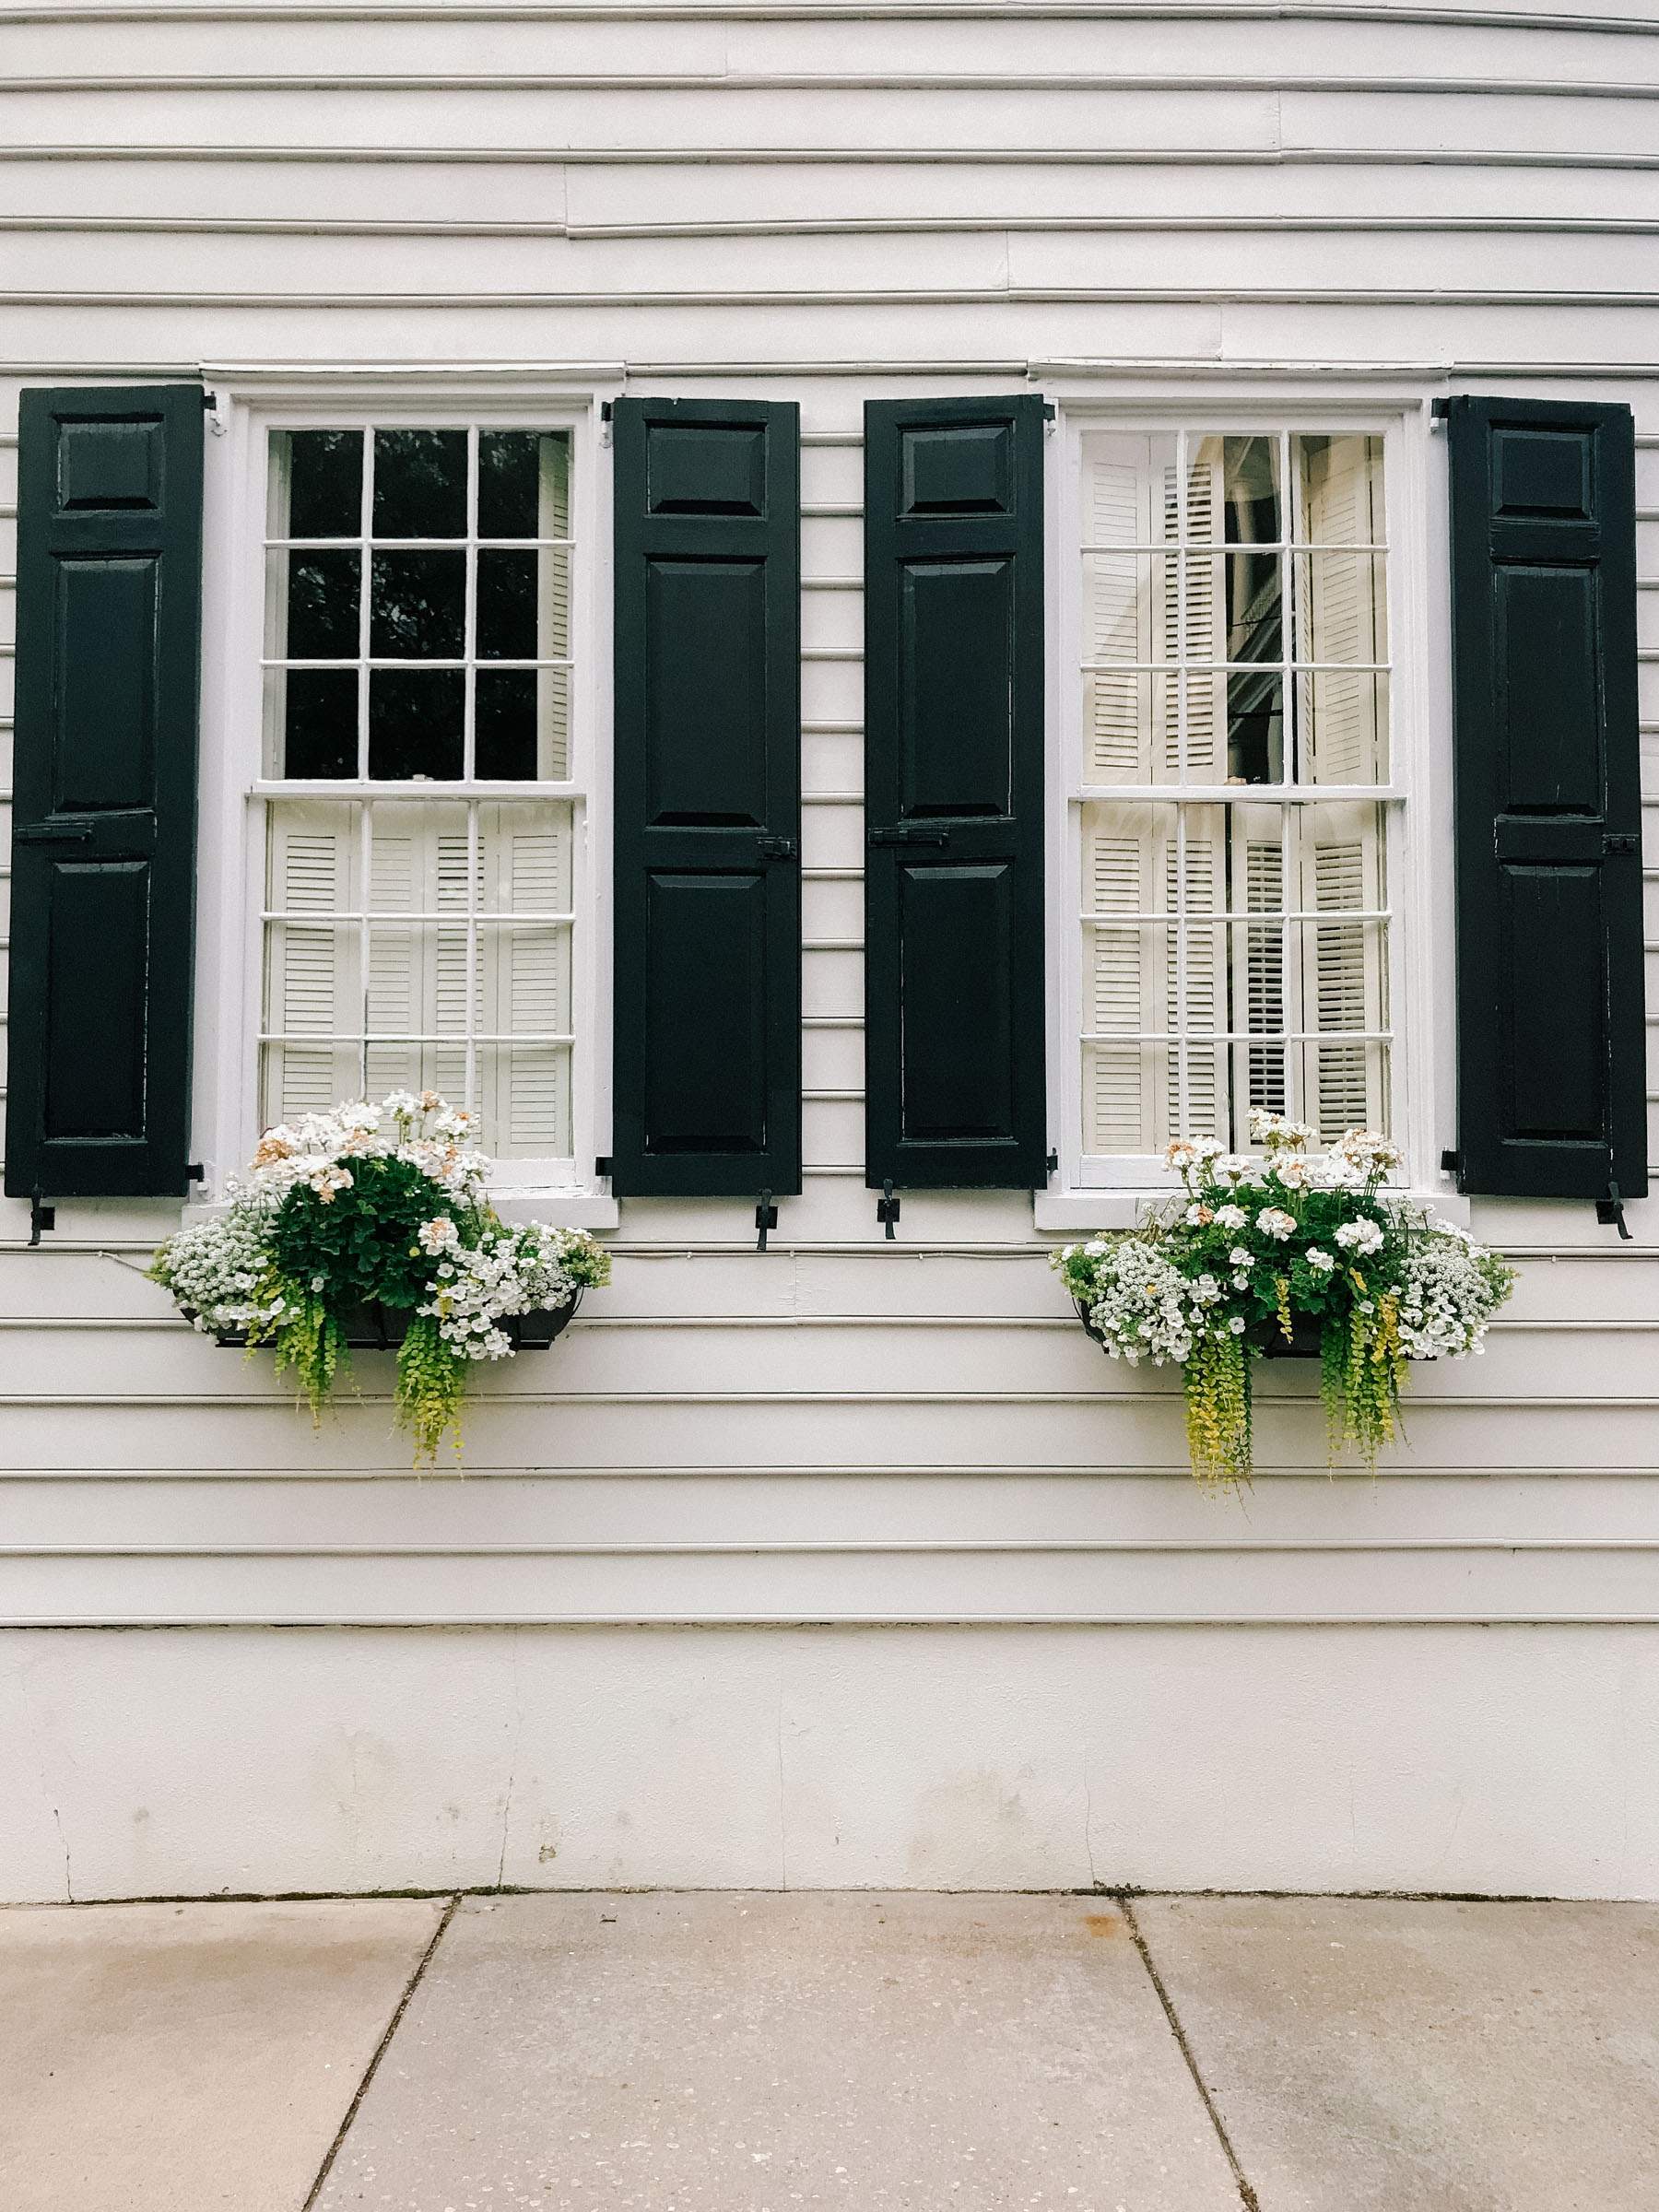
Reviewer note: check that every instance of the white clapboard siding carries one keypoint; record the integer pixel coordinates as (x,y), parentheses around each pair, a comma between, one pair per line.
(1097,203)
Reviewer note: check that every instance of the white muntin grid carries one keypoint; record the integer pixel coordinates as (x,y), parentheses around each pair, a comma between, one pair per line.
(377,796)
(1293,552)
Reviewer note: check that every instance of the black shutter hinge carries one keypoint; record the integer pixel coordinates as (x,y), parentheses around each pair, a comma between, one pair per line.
(1439,409)
(604,1164)
(605,410)
(39,1217)
(766,1217)
(195,1172)
(775,848)
(1609,1213)
(887,1209)
(1052,1163)
(605,422)
(1451,1162)
(1621,841)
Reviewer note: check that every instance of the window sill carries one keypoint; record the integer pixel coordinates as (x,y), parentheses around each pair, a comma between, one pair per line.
(559,1209)
(1077,1212)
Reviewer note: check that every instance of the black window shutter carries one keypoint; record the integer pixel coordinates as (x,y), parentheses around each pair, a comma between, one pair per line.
(1549,961)
(708,798)
(103,823)
(954,1078)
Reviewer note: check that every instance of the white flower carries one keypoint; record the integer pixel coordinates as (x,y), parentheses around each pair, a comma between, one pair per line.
(1207,1147)
(1291,1171)
(1237,1324)
(1238,1257)
(1361,1237)
(1275,1223)
(1231,1217)
(1322,1260)
(1198,1216)
(440,1235)
(1095,1247)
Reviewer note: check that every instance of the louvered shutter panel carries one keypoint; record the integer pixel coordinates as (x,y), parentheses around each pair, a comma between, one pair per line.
(953,793)
(707,964)
(1549,961)
(103,838)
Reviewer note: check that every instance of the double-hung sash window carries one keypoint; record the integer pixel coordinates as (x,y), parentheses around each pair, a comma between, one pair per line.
(420,797)
(1232,791)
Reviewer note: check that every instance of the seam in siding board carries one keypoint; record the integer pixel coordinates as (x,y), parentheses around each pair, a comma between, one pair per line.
(705,157)
(1009,295)
(740,81)
(918,225)
(817,11)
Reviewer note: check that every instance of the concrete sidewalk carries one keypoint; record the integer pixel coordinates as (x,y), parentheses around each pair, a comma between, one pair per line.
(731,2052)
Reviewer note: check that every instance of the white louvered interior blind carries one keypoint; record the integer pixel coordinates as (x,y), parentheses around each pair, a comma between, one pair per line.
(419,898)
(1233,793)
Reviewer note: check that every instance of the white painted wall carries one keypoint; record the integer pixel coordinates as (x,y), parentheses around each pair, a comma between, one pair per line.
(712,1507)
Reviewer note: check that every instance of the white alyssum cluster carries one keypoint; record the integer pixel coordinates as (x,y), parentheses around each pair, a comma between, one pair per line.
(1143,1305)
(1447,1297)
(511,1271)
(216,1267)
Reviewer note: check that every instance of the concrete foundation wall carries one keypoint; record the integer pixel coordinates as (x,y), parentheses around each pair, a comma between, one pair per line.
(153,1763)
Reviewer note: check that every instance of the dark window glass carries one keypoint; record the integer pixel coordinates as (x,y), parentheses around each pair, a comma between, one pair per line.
(323,605)
(420,483)
(417,607)
(509,483)
(325,483)
(320,726)
(415,723)
(506,606)
(504,725)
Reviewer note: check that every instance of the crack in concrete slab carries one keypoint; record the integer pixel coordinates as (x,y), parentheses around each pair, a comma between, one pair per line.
(1247,2195)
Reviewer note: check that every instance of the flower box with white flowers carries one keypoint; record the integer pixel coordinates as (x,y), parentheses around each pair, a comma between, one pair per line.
(1286,1255)
(368,1228)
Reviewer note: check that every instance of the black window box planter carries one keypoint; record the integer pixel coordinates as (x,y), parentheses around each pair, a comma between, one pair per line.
(377,1328)
(1268,1337)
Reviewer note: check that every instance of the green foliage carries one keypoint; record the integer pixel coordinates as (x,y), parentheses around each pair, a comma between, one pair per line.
(432,1387)
(363,1241)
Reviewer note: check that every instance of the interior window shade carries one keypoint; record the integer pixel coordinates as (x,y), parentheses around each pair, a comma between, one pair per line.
(954,1075)
(707,882)
(374,994)
(103,856)
(1551,1040)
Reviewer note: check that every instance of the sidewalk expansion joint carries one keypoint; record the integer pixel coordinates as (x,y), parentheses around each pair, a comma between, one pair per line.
(381,2049)
(1247,2195)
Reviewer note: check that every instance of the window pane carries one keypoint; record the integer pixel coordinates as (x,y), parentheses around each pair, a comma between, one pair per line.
(311,722)
(510,483)
(504,740)
(313,602)
(507,627)
(311,991)
(1342,491)
(1252,510)
(420,483)
(416,723)
(316,484)
(417,607)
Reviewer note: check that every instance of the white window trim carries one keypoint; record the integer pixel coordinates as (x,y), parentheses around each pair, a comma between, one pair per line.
(1422,972)
(230,859)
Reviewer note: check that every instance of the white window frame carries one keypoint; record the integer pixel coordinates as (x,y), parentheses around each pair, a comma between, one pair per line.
(1418,818)
(232,789)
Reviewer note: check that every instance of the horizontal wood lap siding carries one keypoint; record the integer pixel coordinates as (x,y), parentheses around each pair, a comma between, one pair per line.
(960,197)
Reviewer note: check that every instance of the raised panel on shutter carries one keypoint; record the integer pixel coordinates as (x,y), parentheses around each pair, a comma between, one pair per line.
(103,858)
(1550,1015)
(707,964)
(953,793)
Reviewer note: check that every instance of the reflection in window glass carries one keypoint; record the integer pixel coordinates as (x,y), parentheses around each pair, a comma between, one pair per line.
(1235,637)
(381,607)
